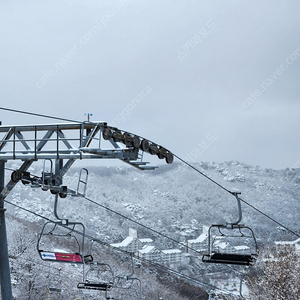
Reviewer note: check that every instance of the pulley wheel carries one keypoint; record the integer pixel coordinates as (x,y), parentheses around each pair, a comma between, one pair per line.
(127,139)
(16,176)
(107,134)
(169,158)
(136,141)
(117,136)
(145,145)
(162,153)
(153,149)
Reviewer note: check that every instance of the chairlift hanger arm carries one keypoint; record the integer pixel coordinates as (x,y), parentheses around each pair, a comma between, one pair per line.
(235,194)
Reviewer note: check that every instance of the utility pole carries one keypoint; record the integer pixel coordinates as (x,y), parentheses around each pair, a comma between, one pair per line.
(4,261)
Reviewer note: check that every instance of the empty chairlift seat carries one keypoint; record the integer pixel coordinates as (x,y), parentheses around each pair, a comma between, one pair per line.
(62,243)
(234,245)
(98,277)
(231,243)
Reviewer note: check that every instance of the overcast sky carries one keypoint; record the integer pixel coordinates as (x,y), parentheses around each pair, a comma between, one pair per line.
(209,80)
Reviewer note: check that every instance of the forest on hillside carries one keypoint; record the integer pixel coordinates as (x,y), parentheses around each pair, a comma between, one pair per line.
(169,205)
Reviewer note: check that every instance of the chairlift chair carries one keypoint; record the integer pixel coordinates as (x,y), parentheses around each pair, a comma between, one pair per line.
(99,286)
(94,278)
(126,282)
(99,276)
(232,255)
(235,232)
(55,285)
(58,231)
(128,285)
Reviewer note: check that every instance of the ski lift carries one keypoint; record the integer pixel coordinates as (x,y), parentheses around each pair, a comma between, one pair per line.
(232,243)
(53,233)
(55,289)
(126,282)
(100,276)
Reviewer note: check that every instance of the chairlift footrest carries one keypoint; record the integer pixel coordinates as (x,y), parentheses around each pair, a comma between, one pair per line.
(225,258)
(94,286)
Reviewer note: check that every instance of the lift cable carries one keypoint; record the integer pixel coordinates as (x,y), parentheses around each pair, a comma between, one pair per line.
(197,170)
(41,267)
(127,253)
(140,224)
(9,169)
(237,271)
(247,203)
(136,222)
(182,160)
(38,115)
(163,235)
(232,193)
(272,219)
(29,211)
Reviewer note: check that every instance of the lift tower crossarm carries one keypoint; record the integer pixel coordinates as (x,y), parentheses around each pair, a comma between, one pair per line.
(73,141)
(15,145)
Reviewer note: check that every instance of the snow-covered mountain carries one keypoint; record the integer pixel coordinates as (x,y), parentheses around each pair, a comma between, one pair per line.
(173,200)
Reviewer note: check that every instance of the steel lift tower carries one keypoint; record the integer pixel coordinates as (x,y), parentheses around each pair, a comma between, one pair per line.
(60,145)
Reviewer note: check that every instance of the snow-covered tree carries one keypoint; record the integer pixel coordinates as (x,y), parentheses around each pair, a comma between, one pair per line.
(276,276)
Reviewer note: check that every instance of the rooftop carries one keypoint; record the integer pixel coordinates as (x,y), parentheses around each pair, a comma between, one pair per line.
(124,243)
(146,249)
